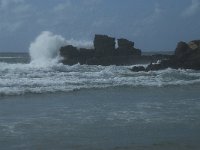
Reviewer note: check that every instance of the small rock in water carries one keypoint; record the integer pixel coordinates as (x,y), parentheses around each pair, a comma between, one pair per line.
(138,68)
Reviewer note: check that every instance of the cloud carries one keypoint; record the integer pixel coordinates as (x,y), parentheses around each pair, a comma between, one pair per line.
(193,9)
(6,3)
(82,5)
(154,16)
(147,22)
(14,6)
(22,8)
(62,6)
(13,14)
(91,2)
(6,26)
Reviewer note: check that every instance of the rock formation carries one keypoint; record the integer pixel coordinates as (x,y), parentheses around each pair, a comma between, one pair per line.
(186,56)
(126,47)
(70,53)
(104,53)
(104,45)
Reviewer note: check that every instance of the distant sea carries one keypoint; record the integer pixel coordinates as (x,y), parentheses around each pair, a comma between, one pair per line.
(47,105)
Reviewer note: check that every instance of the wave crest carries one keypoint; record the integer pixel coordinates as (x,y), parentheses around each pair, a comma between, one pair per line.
(44,49)
(16,79)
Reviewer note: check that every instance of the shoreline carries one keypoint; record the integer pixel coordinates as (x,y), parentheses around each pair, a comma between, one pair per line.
(96,90)
(113,118)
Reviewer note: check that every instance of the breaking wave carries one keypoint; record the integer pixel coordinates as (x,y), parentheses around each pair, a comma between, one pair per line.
(16,79)
(44,73)
(45,49)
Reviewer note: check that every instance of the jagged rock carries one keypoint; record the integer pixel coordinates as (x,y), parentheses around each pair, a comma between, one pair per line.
(159,66)
(186,56)
(104,53)
(194,44)
(124,43)
(85,55)
(137,52)
(181,50)
(138,68)
(70,55)
(126,47)
(128,52)
(104,45)
(69,52)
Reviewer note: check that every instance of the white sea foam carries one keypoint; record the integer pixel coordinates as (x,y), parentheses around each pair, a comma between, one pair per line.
(26,78)
(80,43)
(44,49)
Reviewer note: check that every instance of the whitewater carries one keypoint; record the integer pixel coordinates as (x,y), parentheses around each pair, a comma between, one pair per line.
(44,73)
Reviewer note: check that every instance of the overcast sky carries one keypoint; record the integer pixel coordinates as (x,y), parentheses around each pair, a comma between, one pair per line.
(151,24)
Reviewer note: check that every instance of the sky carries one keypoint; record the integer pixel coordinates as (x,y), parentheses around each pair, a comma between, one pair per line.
(154,25)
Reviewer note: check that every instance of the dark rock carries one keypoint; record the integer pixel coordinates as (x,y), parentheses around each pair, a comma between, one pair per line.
(181,50)
(137,52)
(70,61)
(119,60)
(85,55)
(104,45)
(69,52)
(194,44)
(126,48)
(157,66)
(124,43)
(70,55)
(186,56)
(128,52)
(104,53)
(138,68)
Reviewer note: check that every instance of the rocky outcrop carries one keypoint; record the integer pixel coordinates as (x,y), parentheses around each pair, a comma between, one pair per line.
(69,52)
(124,43)
(104,45)
(186,56)
(72,55)
(85,55)
(189,57)
(104,53)
(126,47)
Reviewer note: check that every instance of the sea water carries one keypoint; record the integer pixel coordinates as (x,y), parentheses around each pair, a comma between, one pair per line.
(18,76)
(101,119)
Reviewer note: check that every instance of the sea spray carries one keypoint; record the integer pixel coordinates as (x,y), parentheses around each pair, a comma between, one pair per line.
(44,50)
(80,43)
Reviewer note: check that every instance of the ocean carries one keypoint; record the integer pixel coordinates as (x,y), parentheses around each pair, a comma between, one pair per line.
(47,105)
